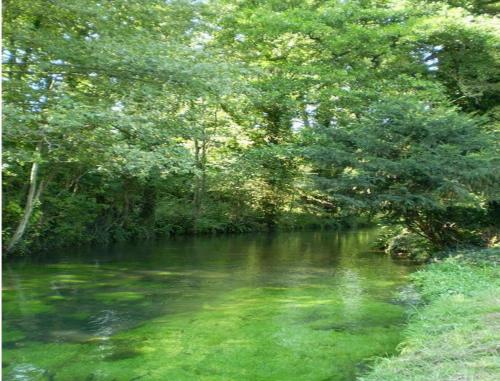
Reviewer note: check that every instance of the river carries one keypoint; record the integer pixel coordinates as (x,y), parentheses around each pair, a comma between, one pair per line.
(306,306)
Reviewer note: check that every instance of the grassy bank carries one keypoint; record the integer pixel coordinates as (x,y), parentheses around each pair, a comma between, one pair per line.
(455,334)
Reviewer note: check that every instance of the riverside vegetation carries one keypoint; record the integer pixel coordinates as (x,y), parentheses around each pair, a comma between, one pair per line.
(455,335)
(129,121)
(126,121)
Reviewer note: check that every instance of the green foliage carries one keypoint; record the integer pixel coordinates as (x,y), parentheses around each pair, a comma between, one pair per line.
(465,273)
(80,209)
(413,161)
(222,116)
(408,245)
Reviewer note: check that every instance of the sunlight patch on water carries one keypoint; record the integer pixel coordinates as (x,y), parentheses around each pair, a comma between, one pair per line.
(295,306)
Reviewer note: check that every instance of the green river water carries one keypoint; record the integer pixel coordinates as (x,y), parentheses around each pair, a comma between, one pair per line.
(311,306)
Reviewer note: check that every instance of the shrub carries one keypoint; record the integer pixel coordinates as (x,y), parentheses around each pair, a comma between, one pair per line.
(408,245)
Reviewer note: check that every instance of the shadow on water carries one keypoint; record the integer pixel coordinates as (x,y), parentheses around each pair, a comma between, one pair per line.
(289,306)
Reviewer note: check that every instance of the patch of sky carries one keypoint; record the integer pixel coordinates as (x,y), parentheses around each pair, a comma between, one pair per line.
(429,57)
(41,84)
(36,105)
(334,123)
(202,39)
(6,55)
(118,106)
(297,124)
(92,37)
(311,114)
(57,77)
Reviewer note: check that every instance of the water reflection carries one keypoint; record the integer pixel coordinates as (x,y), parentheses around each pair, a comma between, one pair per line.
(316,303)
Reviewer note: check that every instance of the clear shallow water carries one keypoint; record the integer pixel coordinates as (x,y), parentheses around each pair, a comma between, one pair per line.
(292,306)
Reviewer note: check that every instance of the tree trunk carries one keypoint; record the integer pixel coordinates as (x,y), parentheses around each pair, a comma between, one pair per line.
(196,195)
(33,196)
(148,208)
(200,179)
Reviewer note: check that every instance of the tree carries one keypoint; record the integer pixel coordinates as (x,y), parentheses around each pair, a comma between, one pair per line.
(414,162)
(73,125)
(127,120)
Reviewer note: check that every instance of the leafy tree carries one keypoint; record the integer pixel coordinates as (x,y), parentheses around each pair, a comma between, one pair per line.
(72,123)
(412,161)
(128,120)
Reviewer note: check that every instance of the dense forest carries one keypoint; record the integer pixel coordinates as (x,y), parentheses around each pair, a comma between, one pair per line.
(128,119)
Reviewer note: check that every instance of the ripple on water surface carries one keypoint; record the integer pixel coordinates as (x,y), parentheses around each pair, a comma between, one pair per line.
(291,306)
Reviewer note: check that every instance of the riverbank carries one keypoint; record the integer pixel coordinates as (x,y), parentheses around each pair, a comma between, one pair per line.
(455,333)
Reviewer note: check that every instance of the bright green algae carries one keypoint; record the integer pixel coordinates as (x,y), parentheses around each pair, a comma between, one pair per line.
(294,306)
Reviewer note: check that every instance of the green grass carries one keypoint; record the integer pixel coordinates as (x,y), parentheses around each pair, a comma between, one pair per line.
(455,335)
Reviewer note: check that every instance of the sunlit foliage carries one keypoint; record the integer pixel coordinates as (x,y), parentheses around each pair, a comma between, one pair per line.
(130,120)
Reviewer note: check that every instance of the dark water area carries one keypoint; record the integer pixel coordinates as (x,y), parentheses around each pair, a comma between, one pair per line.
(288,306)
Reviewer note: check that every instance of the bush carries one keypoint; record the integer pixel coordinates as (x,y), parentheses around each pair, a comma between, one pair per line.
(408,245)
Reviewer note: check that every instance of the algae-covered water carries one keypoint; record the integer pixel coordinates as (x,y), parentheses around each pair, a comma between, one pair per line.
(291,306)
